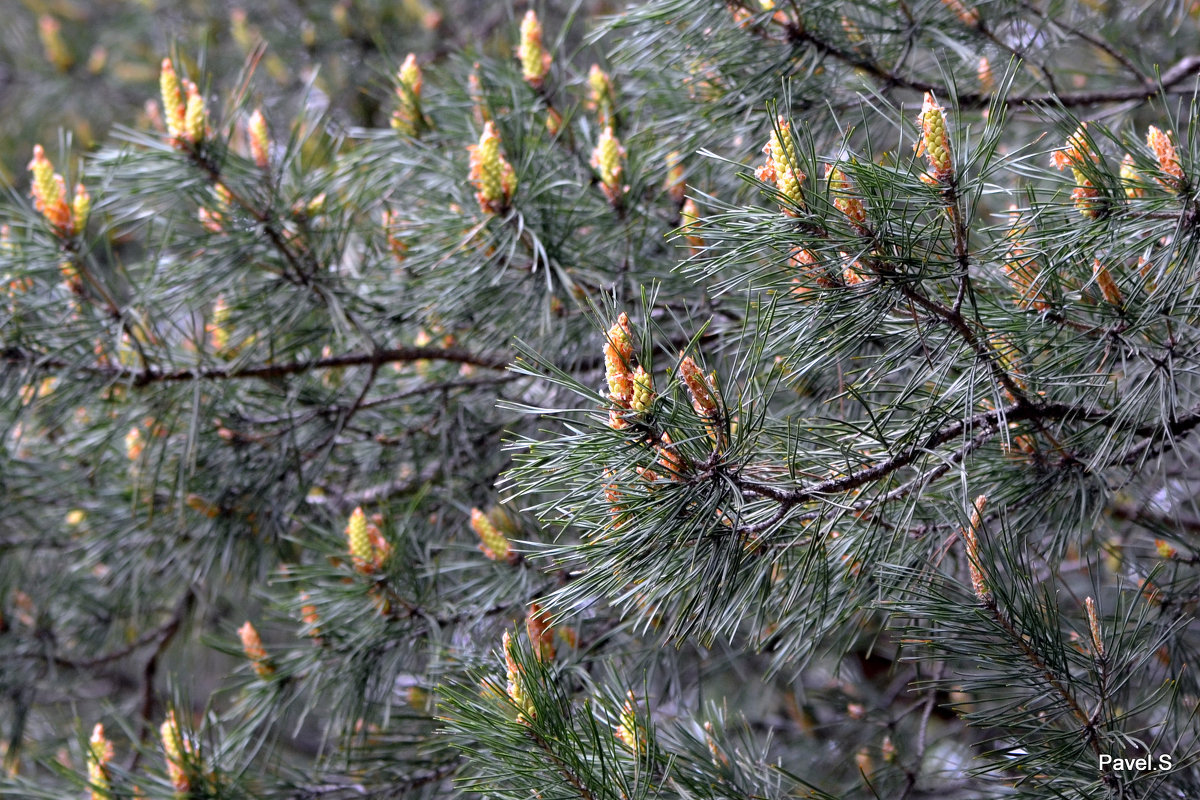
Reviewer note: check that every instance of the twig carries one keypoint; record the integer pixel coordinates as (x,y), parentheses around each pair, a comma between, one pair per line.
(164,631)
(1153,520)
(150,670)
(1095,41)
(986,421)
(927,704)
(563,768)
(374,494)
(1036,660)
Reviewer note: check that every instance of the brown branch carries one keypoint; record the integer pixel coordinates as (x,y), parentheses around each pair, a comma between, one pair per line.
(1166,436)
(164,631)
(374,494)
(1175,74)
(346,415)
(986,422)
(845,483)
(926,705)
(983,352)
(957,457)
(584,792)
(150,670)
(444,386)
(1095,41)
(265,218)
(1038,663)
(412,781)
(961,249)
(375,358)
(1153,520)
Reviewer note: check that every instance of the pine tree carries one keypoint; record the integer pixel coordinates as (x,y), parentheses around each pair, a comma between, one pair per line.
(712,400)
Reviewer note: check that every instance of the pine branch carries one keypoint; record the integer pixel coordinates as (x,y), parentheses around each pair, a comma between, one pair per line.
(403,784)
(1169,82)
(144,377)
(563,768)
(161,634)
(150,669)
(1155,520)
(1086,721)
(1091,39)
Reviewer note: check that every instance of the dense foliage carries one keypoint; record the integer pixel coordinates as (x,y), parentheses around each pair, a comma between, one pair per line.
(707,400)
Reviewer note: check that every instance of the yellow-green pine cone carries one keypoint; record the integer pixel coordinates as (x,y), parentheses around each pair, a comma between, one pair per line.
(1168,158)
(668,458)
(358,539)
(535,61)
(689,216)
(703,400)
(643,391)
(194,115)
(173,746)
(618,351)
(81,207)
(968,15)
(983,72)
(134,444)
(515,682)
(174,109)
(492,542)
(489,172)
(602,97)
(408,94)
(410,75)
(1131,178)
(627,730)
(492,176)
(599,83)
(608,160)
(843,199)
(674,185)
(100,753)
(1085,195)
(541,632)
(252,646)
(260,138)
(934,142)
(49,191)
(785,164)
(53,45)
(43,186)
(1075,152)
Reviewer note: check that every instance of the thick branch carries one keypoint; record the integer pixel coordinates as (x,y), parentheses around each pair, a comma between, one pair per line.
(1155,520)
(983,352)
(1174,75)
(986,422)
(845,483)
(375,358)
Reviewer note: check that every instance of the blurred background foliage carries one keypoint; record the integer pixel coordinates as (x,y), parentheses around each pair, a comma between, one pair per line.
(70,68)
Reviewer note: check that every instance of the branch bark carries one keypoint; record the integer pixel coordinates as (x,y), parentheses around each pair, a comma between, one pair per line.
(144,377)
